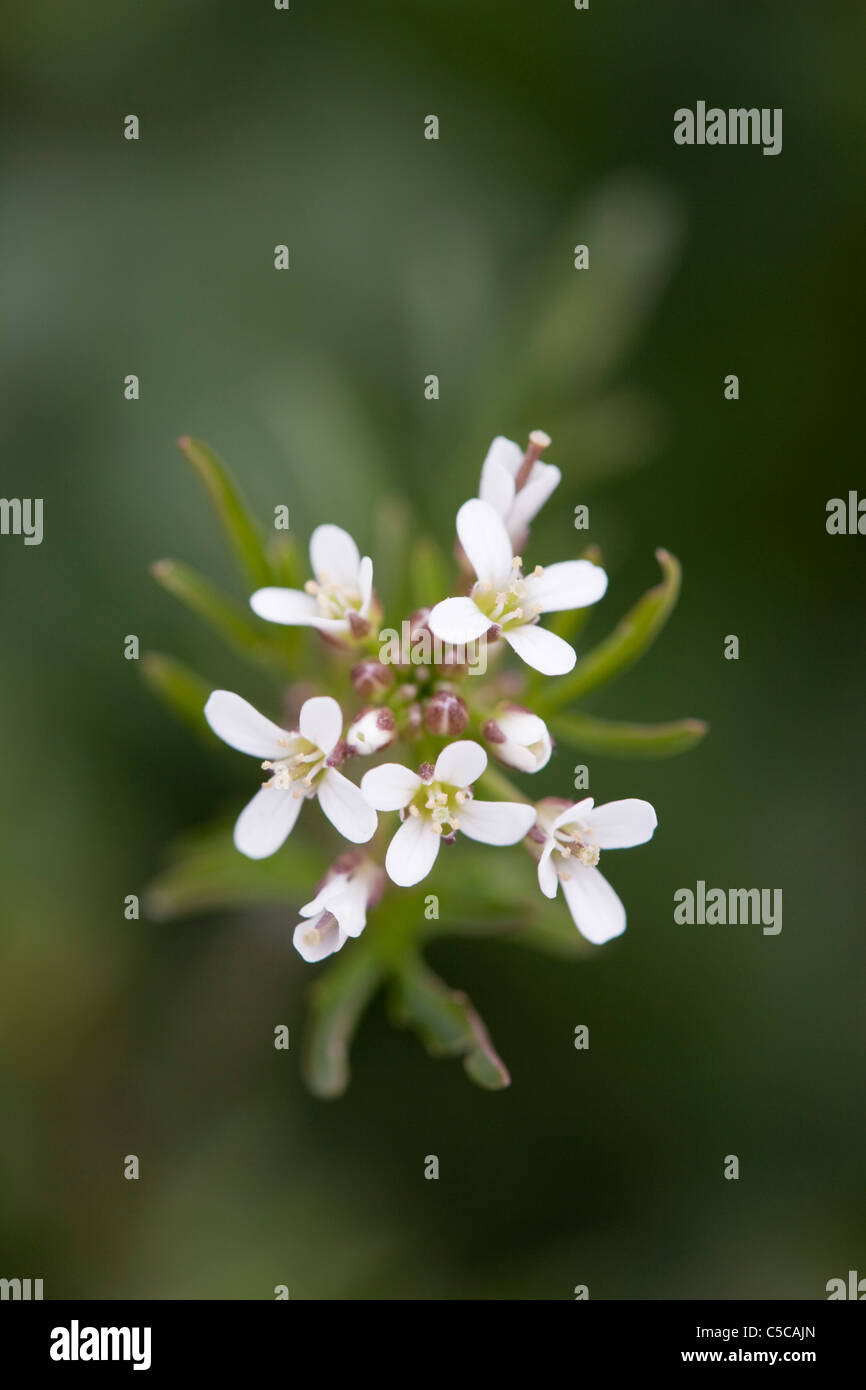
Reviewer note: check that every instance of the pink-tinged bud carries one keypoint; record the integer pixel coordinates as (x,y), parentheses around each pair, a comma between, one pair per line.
(492,732)
(414,720)
(426,771)
(371,679)
(372,730)
(338,754)
(446,714)
(518,738)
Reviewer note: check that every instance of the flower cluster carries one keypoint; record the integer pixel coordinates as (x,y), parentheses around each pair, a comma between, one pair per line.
(446,720)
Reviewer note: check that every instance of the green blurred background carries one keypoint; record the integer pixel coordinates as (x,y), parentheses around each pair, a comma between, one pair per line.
(410,257)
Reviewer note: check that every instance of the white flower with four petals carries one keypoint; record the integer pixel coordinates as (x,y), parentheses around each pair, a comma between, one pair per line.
(339,597)
(509,603)
(339,909)
(300,769)
(439,802)
(573,837)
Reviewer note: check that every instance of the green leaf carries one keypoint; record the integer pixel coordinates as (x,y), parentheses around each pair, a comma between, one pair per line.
(181,689)
(628,642)
(620,739)
(446,1023)
(431,577)
(338,1001)
(393,524)
(574,326)
(220,612)
(206,873)
(240,530)
(285,560)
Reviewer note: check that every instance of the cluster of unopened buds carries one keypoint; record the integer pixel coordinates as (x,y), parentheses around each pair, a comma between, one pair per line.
(447,718)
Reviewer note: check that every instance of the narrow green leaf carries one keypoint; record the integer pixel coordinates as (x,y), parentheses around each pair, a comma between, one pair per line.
(393,525)
(285,561)
(338,1001)
(620,739)
(240,530)
(446,1023)
(628,642)
(181,689)
(220,612)
(206,873)
(431,576)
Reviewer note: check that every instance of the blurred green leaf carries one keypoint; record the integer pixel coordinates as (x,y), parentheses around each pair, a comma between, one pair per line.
(219,611)
(392,527)
(628,642)
(206,872)
(286,560)
(241,531)
(431,576)
(574,326)
(446,1023)
(626,740)
(337,1002)
(180,689)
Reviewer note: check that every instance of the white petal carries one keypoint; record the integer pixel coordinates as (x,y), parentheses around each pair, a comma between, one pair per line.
(496,822)
(365,584)
(576,814)
(292,608)
(345,896)
(390,787)
(522,725)
(239,724)
(505,454)
(498,472)
(318,939)
(457,620)
(461,763)
(515,755)
(412,852)
(334,556)
(570,584)
(532,497)
(621,824)
(597,911)
(266,821)
(321,721)
(346,808)
(483,536)
(548,879)
(540,649)
(497,488)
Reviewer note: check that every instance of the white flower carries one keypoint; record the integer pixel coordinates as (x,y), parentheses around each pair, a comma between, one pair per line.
(301,767)
(371,731)
(506,601)
(339,597)
(339,909)
(573,837)
(498,475)
(518,737)
(440,802)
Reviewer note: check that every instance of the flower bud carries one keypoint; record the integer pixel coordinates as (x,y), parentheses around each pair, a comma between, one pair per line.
(372,730)
(371,679)
(445,713)
(518,738)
